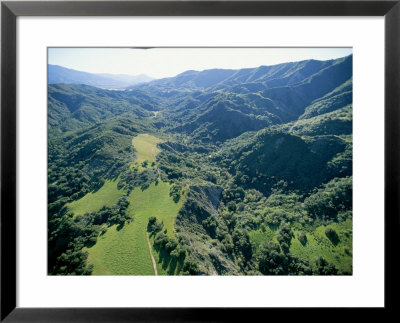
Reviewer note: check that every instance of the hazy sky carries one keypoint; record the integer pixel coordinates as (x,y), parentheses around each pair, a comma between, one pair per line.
(166,62)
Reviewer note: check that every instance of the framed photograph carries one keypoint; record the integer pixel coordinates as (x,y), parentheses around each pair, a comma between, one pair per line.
(197,161)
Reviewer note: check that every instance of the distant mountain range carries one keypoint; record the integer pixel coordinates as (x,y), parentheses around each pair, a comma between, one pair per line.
(248,80)
(212,105)
(60,74)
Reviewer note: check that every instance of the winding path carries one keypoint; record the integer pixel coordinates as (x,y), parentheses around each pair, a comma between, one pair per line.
(151,255)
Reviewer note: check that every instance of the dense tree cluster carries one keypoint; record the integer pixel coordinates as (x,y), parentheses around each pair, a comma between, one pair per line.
(80,163)
(168,245)
(154,226)
(133,178)
(327,201)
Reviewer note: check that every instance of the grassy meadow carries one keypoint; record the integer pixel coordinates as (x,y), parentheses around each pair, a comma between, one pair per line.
(318,245)
(125,252)
(146,149)
(107,195)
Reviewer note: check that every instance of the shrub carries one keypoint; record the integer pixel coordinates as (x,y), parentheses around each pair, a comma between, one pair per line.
(242,244)
(324,267)
(332,236)
(171,245)
(302,238)
(284,238)
(154,225)
(190,267)
(161,240)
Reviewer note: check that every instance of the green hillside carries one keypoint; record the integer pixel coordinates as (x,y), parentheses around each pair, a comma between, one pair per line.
(319,245)
(146,149)
(218,172)
(107,195)
(125,251)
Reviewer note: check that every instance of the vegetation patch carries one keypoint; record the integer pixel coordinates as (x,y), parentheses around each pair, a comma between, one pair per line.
(125,252)
(93,201)
(146,150)
(319,245)
(261,236)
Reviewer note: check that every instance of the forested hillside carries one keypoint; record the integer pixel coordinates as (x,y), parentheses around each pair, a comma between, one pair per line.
(218,172)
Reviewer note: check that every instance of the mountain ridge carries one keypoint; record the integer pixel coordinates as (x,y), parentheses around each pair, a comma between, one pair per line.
(193,105)
(60,74)
(263,72)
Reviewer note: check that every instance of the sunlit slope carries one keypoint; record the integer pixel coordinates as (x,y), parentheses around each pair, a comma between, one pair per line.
(107,195)
(125,252)
(146,148)
(318,245)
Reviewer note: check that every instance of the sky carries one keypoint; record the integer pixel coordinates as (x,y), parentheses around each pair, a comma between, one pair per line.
(167,62)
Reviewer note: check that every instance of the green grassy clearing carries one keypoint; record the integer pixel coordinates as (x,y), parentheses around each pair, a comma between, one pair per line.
(319,245)
(258,237)
(107,195)
(125,252)
(146,149)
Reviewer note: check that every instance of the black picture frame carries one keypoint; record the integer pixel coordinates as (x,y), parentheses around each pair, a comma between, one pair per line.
(10,10)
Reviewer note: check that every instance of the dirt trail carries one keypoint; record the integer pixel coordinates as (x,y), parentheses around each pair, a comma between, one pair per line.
(151,255)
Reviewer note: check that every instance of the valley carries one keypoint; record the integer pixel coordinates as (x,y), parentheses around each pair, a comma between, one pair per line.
(125,251)
(218,172)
